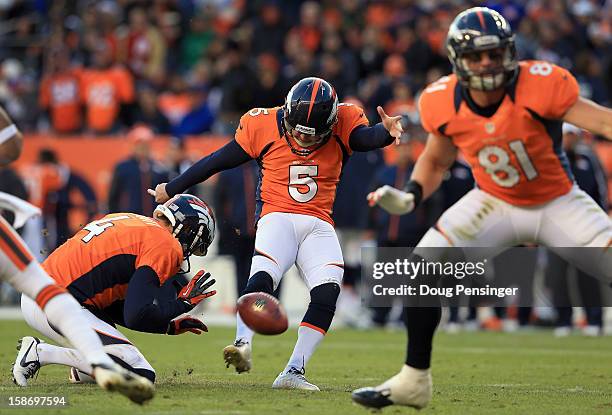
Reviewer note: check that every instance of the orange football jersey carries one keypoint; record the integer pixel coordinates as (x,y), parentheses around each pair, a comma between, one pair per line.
(103,92)
(516,154)
(97,263)
(289,182)
(60,94)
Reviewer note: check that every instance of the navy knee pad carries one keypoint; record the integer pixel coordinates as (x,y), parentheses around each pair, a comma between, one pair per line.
(322,306)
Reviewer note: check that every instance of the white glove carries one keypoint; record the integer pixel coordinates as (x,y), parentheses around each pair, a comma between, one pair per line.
(392,200)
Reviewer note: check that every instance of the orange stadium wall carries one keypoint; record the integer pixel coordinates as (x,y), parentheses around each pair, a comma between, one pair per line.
(95,158)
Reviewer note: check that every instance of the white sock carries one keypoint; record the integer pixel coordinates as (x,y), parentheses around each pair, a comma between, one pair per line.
(307,342)
(49,354)
(66,314)
(243,331)
(31,280)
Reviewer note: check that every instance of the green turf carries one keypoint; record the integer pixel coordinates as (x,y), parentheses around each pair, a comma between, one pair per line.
(480,373)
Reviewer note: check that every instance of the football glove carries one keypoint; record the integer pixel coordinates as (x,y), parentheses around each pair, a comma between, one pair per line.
(195,291)
(392,200)
(182,325)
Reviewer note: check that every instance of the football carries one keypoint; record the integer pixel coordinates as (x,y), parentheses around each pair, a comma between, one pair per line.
(262,313)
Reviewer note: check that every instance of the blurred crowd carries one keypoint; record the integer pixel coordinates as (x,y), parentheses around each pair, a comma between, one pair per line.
(193,66)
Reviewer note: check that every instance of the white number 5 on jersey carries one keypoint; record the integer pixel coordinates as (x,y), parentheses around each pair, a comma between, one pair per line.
(303,176)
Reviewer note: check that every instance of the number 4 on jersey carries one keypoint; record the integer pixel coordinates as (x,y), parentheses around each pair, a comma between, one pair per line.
(96,228)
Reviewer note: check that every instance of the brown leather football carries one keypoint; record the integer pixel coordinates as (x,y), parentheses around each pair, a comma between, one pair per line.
(262,313)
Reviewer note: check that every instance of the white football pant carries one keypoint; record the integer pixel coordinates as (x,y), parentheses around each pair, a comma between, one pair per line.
(284,239)
(122,347)
(572,220)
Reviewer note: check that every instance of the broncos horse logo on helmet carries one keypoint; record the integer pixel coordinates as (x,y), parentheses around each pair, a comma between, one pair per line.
(482,29)
(192,221)
(311,108)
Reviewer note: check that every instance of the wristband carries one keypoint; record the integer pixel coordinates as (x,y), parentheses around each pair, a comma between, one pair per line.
(416,189)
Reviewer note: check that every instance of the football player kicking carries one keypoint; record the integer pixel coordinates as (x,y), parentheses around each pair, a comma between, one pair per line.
(301,149)
(505,116)
(115,267)
(59,308)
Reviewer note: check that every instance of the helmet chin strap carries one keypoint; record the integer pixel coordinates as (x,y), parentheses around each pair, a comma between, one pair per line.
(304,152)
(182,271)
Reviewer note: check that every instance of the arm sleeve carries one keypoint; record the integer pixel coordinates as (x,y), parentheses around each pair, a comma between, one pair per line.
(227,157)
(144,310)
(369,138)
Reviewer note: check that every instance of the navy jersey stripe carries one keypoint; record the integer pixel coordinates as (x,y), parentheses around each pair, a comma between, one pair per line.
(457,97)
(279,122)
(554,131)
(116,270)
(511,89)
(258,201)
(345,158)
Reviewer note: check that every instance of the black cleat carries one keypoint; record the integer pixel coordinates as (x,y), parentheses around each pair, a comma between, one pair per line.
(372,398)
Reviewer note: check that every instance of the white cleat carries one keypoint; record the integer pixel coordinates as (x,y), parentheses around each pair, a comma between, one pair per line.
(27,362)
(453,328)
(562,331)
(76,376)
(471,326)
(238,355)
(115,378)
(410,387)
(510,326)
(591,331)
(293,379)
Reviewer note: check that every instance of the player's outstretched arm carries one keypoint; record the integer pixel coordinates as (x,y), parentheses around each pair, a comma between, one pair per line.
(227,157)
(11,140)
(437,157)
(427,175)
(591,117)
(391,124)
(369,138)
(379,135)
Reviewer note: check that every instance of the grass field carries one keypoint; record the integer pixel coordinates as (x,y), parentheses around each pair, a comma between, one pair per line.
(475,373)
